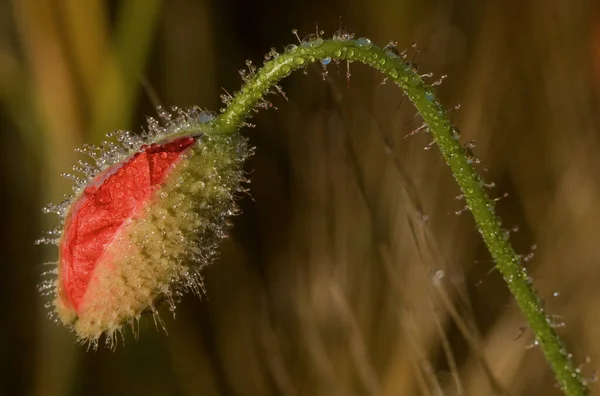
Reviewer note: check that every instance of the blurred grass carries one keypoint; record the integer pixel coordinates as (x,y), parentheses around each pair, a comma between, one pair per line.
(331,282)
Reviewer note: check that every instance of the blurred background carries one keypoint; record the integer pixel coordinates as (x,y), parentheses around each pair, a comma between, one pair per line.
(346,274)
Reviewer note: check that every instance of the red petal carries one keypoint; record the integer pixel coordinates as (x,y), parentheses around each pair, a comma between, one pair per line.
(112,198)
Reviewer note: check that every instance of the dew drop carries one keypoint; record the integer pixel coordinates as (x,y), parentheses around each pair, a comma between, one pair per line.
(138,195)
(309,37)
(455,132)
(326,61)
(315,43)
(312,40)
(342,35)
(290,47)
(103,197)
(90,190)
(429,95)
(363,42)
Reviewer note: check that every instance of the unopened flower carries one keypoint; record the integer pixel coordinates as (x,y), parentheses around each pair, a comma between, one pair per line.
(146,218)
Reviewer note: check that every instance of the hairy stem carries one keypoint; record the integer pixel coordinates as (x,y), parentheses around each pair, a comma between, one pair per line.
(458,159)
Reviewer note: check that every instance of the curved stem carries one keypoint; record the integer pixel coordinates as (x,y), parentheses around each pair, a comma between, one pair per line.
(472,185)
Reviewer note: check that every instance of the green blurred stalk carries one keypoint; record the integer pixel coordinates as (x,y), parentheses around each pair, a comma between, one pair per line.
(114,104)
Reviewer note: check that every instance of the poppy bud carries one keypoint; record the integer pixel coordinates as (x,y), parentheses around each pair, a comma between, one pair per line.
(139,229)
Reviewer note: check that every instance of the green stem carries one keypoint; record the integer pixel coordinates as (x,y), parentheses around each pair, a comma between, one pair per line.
(438,123)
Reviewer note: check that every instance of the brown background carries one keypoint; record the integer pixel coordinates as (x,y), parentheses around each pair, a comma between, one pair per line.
(331,282)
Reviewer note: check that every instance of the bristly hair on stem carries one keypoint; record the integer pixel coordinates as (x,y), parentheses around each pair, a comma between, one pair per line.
(394,66)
